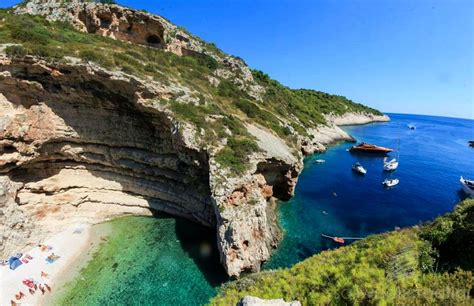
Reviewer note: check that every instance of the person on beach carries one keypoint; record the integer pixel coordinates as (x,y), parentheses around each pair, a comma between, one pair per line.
(47,287)
(44,275)
(31,291)
(19,295)
(42,289)
(12,303)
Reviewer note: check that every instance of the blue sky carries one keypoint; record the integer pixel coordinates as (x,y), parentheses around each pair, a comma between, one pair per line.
(395,55)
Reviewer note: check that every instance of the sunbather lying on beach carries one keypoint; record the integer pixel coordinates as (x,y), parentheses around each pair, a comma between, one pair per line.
(45,248)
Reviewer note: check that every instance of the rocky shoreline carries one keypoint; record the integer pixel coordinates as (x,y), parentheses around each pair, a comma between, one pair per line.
(246,236)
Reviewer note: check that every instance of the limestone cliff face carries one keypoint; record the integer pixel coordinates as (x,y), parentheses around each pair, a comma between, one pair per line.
(74,137)
(83,144)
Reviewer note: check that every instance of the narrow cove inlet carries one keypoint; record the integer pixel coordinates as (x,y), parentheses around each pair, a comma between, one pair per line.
(167,260)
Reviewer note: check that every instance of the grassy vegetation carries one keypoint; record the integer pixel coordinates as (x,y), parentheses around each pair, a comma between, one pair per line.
(282,110)
(307,105)
(452,236)
(236,153)
(431,265)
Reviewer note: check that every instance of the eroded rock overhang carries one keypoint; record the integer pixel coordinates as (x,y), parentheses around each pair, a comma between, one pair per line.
(80,144)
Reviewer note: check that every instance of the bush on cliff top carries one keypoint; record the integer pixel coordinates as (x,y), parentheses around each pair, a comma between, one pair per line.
(397,268)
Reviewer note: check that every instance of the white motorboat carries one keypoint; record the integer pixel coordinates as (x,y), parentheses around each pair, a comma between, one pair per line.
(320,161)
(389,182)
(357,167)
(467,186)
(412,127)
(391,165)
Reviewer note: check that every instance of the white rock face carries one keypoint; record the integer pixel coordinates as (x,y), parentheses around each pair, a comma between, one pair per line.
(356,118)
(273,146)
(254,301)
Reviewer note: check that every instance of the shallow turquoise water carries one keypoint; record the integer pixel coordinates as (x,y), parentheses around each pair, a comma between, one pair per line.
(150,261)
(432,158)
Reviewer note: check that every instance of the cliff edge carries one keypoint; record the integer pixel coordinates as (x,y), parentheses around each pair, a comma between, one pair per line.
(107,111)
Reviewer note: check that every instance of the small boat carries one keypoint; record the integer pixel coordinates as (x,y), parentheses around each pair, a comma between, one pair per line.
(357,167)
(335,239)
(390,182)
(391,165)
(467,186)
(471,143)
(412,127)
(319,161)
(370,148)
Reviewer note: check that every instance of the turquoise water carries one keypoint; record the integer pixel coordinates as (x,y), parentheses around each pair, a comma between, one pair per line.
(432,158)
(171,261)
(150,261)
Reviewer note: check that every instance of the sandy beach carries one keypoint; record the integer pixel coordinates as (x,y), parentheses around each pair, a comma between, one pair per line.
(70,244)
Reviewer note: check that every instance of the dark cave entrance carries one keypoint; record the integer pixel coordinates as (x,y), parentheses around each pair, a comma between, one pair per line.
(153,40)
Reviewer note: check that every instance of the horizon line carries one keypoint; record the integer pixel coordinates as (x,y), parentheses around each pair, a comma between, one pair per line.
(428,115)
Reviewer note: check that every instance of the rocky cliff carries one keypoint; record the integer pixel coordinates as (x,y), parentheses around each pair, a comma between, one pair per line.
(83,139)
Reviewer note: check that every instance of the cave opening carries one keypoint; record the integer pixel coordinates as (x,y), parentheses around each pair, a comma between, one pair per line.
(153,40)
(105,22)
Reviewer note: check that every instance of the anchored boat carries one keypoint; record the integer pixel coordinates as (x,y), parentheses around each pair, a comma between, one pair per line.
(357,167)
(340,240)
(467,186)
(370,148)
(389,182)
(391,165)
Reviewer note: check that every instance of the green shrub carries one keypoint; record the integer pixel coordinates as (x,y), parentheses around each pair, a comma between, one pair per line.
(228,89)
(96,57)
(206,61)
(28,29)
(395,268)
(235,154)
(452,237)
(16,51)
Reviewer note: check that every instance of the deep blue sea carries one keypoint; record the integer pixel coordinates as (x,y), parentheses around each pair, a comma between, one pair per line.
(432,158)
(171,261)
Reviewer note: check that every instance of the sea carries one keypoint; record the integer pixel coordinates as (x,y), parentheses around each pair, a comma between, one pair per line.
(170,261)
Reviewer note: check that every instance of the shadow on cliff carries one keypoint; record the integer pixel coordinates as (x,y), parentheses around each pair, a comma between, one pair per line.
(199,242)
(95,122)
